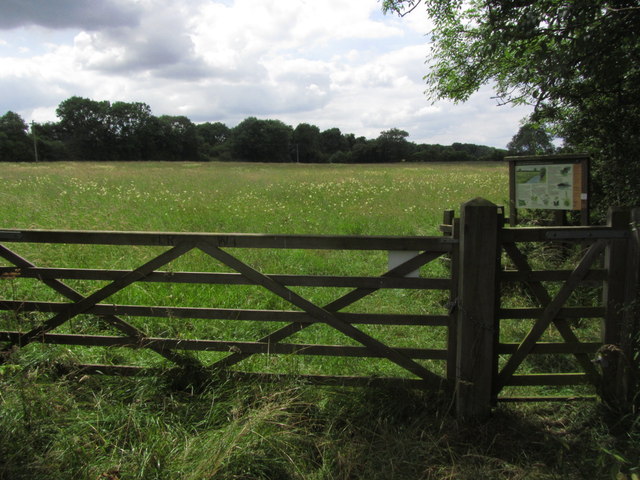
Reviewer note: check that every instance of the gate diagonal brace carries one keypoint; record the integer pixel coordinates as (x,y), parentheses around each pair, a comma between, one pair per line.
(84,303)
(549,314)
(541,294)
(335,306)
(322,314)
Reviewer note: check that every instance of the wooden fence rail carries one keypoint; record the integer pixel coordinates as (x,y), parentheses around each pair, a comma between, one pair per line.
(484,259)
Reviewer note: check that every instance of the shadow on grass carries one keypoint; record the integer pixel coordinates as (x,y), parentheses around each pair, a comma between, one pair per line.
(385,434)
(135,428)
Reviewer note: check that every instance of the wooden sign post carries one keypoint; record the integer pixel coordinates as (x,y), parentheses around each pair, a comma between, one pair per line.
(549,182)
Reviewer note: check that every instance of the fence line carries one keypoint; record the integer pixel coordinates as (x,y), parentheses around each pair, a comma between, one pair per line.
(485,257)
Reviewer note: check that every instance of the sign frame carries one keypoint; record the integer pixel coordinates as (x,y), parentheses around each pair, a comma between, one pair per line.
(579,163)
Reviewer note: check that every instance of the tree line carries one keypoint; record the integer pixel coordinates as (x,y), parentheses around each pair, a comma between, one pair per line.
(105,131)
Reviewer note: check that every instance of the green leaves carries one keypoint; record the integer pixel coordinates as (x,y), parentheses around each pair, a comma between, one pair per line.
(15,144)
(576,62)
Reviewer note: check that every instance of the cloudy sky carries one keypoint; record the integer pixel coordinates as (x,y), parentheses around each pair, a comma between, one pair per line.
(331,63)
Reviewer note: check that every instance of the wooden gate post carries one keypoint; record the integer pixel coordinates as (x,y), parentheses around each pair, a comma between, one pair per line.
(630,331)
(620,323)
(610,357)
(477,302)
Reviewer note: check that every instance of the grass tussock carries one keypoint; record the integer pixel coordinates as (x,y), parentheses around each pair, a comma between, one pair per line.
(76,427)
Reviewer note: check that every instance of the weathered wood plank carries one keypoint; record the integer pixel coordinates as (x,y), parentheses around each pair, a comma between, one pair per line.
(630,328)
(227,314)
(549,379)
(615,261)
(552,348)
(221,346)
(231,278)
(477,293)
(537,234)
(452,334)
(549,275)
(338,304)
(231,240)
(614,298)
(565,312)
(542,295)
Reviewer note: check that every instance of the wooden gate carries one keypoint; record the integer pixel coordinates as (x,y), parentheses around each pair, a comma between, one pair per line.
(483,359)
(545,308)
(218,249)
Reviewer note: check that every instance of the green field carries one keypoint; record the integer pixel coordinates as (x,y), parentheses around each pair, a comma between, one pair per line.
(94,427)
(233,197)
(247,198)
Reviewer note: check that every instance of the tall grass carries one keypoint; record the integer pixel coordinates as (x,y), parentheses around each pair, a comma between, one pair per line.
(67,425)
(113,428)
(232,197)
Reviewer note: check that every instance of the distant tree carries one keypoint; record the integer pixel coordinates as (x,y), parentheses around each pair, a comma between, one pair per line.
(426,153)
(85,125)
(351,140)
(365,151)
(212,138)
(15,144)
(256,140)
(213,133)
(175,138)
(456,152)
(100,130)
(341,157)
(531,140)
(129,125)
(49,139)
(306,144)
(332,141)
(393,145)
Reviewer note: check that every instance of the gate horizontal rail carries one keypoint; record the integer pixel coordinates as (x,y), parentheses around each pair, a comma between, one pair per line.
(236,240)
(228,314)
(222,346)
(231,278)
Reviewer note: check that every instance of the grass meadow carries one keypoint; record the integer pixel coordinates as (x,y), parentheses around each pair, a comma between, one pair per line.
(92,427)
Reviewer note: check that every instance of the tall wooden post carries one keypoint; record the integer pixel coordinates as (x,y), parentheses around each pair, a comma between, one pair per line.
(630,330)
(477,330)
(615,291)
(452,340)
(615,259)
(513,210)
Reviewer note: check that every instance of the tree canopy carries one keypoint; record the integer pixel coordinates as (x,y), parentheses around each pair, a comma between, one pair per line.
(531,140)
(15,145)
(577,62)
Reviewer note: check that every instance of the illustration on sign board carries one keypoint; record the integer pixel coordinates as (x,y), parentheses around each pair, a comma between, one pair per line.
(545,186)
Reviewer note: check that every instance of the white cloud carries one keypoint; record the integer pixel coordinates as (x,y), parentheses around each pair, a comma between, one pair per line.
(330,63)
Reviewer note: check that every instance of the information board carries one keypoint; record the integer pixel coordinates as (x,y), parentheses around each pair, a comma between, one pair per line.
(548,186)
(549,182)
